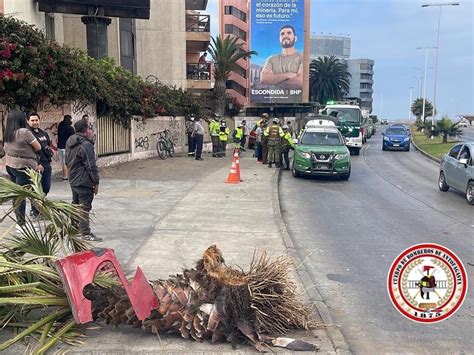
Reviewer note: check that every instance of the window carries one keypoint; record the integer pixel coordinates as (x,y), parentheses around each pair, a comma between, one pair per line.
(49,25)
(366,76)
(240,71)
(465,153)
(364,66)
(365,86)
(454,151)
(231,84)
(231,10)
(234,30)
(127,44)
(365,95)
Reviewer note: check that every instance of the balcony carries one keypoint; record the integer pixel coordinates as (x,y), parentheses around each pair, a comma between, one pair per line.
(198,75)
(198,33)
(196,4)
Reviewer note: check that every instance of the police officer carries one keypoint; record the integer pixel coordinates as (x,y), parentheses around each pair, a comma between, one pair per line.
(189,132)
(214,128)
(223,136)
(274,134)
(286,145)
(238,133)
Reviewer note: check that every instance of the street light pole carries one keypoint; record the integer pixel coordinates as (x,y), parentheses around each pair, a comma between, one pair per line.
(437,52)
(424,79)
(409,104)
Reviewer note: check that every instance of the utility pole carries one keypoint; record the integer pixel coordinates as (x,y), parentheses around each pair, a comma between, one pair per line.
(409,104)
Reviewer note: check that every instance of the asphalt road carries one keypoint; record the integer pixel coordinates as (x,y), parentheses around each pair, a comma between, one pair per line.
(349,233)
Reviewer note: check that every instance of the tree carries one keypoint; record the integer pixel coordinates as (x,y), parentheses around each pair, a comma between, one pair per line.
(417,109)
(328,79)
(446,128)
(225,53)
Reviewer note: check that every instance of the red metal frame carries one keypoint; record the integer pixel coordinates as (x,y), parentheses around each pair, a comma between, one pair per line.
(77,271)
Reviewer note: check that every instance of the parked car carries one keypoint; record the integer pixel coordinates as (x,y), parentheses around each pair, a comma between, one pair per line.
(321,150)
(383,121)
(462,124)
(396,138)
(456,170)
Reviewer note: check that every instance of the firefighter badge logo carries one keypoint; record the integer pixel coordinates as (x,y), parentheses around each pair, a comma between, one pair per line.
(427,283)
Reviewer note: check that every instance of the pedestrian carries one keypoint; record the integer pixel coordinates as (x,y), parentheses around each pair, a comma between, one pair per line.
(65,130)
(214,128)
(290,128)
(264,143)
(243,140)
(274,134)
(223,137)
(286,145)
(45,155)
(20,154)
(90,128)
(258,141)
(189,132)
(237,135)
(83,175)
(198,134)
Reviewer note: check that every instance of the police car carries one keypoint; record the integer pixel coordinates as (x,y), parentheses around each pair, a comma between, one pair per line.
(321,151)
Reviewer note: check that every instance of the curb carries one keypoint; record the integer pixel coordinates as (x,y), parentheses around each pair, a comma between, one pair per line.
(304,277)
(423,152)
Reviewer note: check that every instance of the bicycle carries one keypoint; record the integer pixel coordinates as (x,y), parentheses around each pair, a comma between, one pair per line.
(165,145)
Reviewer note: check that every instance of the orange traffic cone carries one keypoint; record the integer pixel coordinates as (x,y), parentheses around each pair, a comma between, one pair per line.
(234,174)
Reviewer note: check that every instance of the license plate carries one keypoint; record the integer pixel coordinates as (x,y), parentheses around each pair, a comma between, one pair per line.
(396,144)
(322,167)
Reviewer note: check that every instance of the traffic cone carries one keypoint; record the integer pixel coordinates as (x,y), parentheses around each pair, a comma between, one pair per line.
(234,174)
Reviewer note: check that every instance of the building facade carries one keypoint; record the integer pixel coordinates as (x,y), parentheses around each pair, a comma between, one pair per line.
(327,45)
(234,20)
(362,80)
(167,46)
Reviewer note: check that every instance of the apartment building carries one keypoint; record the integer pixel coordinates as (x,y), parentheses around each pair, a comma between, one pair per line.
(362,80)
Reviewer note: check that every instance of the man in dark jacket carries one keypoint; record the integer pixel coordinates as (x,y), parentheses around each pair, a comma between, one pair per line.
(44,155)
(83,174)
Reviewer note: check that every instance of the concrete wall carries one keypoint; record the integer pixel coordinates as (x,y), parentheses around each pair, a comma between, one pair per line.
(161,43)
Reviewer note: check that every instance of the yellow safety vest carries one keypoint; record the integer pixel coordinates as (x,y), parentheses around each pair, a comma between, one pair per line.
(223,135)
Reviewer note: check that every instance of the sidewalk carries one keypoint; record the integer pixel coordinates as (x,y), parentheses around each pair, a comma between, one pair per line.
(165,225)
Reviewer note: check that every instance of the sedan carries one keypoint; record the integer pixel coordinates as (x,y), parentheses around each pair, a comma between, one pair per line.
(457,170)
(396,138)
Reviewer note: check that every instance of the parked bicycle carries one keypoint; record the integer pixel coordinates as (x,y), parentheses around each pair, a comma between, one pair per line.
(165,145)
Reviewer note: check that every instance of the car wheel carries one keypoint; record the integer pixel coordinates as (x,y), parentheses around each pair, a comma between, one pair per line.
(356,151)
(383,148)
(470,193)
(295,172)
(346,176)
(408,149)
(442,185)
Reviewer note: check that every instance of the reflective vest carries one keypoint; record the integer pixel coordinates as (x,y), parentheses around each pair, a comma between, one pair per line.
(224,134)
(239,132)
(214,128)
(287,140)
(274,131)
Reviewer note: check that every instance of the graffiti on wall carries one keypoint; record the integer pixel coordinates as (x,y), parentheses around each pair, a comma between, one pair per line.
(145,132)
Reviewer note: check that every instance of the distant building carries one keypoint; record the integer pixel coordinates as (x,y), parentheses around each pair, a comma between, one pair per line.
(325,45)
(362,80)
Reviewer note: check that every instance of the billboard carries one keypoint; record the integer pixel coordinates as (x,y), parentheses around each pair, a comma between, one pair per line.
(277,34)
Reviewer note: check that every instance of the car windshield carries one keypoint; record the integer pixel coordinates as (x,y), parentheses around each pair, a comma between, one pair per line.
(396,131)
(321,138)
(345,114)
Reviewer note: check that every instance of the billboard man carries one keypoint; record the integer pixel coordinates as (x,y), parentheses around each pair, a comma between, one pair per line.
(284,70)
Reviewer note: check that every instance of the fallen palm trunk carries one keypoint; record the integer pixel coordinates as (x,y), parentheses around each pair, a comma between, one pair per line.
(219,303)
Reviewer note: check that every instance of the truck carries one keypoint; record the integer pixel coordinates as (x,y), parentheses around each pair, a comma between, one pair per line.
(350,121)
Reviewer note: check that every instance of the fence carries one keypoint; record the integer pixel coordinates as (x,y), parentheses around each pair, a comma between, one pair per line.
(112,138)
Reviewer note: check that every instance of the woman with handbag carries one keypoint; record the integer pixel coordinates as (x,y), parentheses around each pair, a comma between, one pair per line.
(20,147)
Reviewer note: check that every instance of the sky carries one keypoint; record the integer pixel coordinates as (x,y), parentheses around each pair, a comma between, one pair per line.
(389,31)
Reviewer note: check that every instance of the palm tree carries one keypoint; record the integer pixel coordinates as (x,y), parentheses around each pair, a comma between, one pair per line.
(446,128)
(329,79)
(225,53)
(417,109)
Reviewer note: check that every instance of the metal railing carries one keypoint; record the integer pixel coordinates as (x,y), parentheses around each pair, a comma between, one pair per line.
(198,71)
(112,138)
(198,23)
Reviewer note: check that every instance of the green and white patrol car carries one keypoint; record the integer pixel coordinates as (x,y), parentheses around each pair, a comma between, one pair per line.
(321,150)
